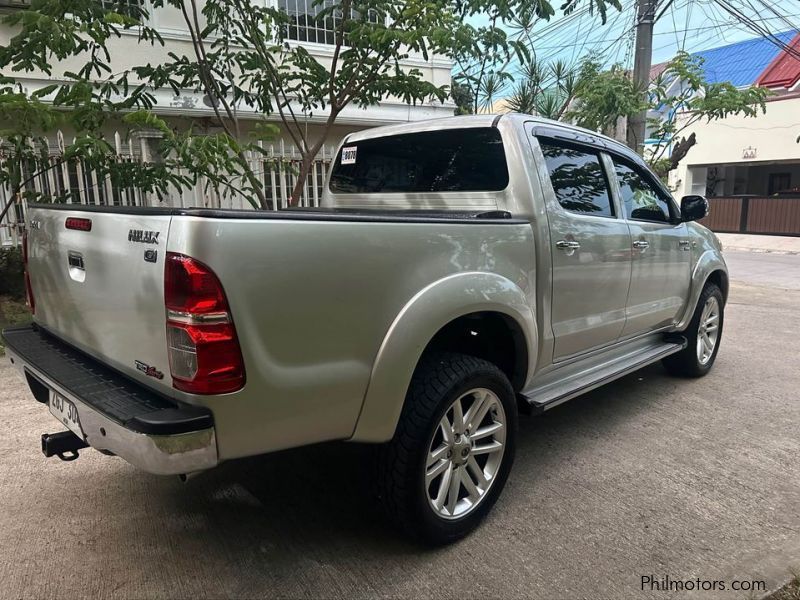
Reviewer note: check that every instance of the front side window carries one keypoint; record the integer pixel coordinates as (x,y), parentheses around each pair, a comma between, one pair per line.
(642,200)
(578,178)
(447,160)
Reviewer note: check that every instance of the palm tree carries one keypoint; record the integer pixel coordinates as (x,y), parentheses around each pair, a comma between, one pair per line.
(546,91)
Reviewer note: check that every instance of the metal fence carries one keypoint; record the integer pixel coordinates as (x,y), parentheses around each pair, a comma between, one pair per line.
(753,214)
(277,166)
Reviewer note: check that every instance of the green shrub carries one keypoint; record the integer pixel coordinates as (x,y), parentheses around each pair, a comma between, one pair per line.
(11,270)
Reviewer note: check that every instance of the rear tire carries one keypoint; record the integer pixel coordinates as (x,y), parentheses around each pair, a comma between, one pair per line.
(704,335)
(453,448)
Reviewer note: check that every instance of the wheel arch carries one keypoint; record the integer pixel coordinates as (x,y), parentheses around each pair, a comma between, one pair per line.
(719,277)
(710,266)
(436,318)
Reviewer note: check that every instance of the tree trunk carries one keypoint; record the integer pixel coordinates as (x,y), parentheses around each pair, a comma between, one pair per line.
(258,186)
(8,205)
(302,175)
(662,167)
(681,150)
(308,157)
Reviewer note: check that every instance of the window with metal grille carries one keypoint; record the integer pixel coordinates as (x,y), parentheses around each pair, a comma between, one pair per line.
(129,8)
(306,24)
(7,4)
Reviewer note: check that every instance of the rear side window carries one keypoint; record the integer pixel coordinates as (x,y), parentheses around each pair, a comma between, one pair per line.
(449,160)
(578,178)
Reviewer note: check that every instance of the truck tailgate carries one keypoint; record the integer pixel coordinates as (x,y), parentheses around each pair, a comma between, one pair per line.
(98,283)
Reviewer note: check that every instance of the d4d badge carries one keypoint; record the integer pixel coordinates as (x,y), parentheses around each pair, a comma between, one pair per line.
(148,370)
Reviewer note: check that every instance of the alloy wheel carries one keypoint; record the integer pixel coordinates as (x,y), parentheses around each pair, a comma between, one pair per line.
(465,453)
(708,330)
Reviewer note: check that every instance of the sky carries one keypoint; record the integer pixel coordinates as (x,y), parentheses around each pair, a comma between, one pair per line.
(692,25)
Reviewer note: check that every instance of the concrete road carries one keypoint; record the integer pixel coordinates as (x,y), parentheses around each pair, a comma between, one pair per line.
(781,271)
(647,476)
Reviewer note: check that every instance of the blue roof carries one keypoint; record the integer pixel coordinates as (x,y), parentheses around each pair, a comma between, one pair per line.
(741,63)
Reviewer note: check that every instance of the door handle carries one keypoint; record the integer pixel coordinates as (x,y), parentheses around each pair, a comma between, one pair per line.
(568,244)
(641,244)
(684,244)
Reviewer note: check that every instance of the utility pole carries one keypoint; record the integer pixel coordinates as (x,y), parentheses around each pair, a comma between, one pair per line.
(642,59)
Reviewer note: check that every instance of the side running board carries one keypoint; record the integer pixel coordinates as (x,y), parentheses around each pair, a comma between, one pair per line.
(552,394)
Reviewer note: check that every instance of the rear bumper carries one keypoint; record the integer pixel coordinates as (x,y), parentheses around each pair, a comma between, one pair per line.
(116,415)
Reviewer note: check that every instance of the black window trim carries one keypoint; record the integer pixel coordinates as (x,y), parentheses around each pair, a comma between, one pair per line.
(655,182)
(588,148)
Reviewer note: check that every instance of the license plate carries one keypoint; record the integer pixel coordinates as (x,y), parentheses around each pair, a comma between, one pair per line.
(65,411)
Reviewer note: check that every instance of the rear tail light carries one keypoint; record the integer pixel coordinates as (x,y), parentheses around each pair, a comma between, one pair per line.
(28,289)
(204,353)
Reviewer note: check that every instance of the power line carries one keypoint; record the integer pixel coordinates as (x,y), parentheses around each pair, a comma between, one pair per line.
(754,26)
(720,24)
(565,33)
(675,27)
(772,9)
(595,43)
(690,5)
(658,33)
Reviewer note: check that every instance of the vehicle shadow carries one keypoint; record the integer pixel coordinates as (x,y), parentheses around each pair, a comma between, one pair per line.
(322,496)
(305,522)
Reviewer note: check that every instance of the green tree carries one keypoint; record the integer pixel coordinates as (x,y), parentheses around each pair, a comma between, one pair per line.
(242,61)
(695,99)
(587,94)
(545,90)
(503,41)
(92,97)
(604,95)
(595,97)
(462,96)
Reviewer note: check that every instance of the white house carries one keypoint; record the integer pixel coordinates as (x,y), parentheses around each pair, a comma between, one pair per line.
(190,107)
(749,168)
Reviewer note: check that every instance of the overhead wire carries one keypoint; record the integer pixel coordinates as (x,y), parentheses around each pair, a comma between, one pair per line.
(572,35)
(686,26)
(757,28)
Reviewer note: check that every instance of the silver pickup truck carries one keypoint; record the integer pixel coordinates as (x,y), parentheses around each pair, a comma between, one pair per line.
(458,271)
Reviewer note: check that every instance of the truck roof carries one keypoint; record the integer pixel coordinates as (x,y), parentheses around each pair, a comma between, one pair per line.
(482,120)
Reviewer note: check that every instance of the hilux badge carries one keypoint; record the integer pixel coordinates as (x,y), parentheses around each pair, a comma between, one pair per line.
(142,236)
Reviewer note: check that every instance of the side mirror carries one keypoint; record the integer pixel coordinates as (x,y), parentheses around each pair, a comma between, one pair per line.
(693,208)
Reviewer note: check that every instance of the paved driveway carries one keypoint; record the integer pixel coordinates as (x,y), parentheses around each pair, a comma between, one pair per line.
(781,271)
(648,476)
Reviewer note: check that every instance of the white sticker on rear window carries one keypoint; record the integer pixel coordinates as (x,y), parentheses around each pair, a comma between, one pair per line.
(349,155)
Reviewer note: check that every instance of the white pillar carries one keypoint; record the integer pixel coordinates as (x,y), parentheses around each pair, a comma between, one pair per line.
(695,181)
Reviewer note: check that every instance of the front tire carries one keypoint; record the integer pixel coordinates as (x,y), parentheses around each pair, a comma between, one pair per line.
(453,448)
(704,335)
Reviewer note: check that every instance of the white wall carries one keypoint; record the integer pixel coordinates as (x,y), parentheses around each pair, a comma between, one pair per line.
(741,142)
(127,52)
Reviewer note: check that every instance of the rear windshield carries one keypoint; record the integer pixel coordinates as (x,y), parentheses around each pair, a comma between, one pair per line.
(448,160)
